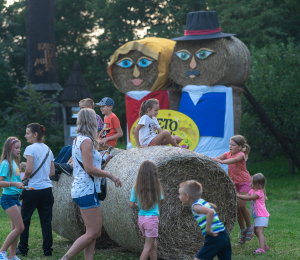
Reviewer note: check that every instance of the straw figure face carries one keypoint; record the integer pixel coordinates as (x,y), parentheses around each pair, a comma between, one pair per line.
(142,65)
(135,70)
(224,61)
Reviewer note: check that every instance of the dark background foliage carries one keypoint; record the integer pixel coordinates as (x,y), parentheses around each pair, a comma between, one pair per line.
(270,29)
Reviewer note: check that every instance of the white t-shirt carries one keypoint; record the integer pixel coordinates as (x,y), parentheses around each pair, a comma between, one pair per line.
(148,131)
(83,184)
(41,179)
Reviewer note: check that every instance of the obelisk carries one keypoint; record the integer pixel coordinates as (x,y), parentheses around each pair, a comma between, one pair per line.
(41,64)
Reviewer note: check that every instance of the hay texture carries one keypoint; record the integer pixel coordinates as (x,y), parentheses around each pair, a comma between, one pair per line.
(179,234)
(153,77)
(229,64)
(67,221)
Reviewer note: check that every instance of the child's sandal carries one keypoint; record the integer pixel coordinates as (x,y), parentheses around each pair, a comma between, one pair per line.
(249,233)
(259,251)
(243,236)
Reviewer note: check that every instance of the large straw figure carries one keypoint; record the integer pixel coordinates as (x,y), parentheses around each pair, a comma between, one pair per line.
(211,66)
(140,69)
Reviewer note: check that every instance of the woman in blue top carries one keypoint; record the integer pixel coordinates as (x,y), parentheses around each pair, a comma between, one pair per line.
(12,188)
(147,193)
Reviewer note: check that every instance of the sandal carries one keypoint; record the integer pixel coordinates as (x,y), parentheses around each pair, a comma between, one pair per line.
(259,251)
(267,248)
(249,233)
(243,236)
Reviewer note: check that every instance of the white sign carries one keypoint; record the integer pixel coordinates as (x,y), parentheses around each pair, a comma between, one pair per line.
(73,131)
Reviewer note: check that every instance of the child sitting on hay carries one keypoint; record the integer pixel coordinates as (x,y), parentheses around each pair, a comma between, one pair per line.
(145,131)
(217,242)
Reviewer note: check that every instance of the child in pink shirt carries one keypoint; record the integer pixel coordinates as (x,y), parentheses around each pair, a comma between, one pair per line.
(258,209)
(236,160)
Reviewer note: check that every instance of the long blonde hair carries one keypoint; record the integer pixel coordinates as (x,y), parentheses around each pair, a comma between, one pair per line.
(7,154)
(87,124)
(259,179)
(147,186)
(241,141)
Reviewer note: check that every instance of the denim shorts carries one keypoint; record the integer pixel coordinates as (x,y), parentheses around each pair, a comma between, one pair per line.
(88,201)
(8,201)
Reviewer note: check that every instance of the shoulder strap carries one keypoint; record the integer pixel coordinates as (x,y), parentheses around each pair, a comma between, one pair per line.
(31,176)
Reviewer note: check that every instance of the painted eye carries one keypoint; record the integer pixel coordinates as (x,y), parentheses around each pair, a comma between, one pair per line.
(125,63)
(183,55)
(144,63)
(203,54)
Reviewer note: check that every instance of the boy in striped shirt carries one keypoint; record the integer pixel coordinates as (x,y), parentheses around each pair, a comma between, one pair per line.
(217,242)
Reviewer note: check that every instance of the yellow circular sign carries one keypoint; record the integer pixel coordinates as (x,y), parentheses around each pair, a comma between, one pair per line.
(177,124)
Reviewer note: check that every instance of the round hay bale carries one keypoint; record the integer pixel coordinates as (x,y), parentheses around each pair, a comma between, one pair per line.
(179,234)
(67,221)
(228,65)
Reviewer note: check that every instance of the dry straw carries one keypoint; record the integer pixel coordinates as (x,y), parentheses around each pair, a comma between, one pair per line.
(67,221)
(179,234)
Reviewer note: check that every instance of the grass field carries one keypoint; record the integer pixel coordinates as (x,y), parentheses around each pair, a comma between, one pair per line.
(282,235)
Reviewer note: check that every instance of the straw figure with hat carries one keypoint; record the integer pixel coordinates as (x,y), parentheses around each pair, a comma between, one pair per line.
(211,66)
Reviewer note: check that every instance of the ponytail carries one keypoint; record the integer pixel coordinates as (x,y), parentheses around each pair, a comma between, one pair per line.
(148,104)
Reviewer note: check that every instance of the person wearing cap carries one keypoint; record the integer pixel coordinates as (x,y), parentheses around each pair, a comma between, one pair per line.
(111,129)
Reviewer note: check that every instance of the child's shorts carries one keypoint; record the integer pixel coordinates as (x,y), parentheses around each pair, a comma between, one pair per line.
(243,187)
(149,225)
(261,221)
(152,143)
(8,201)
(216,246)
(88,201)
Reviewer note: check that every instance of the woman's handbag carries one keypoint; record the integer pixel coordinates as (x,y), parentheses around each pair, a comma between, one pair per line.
(103,184)
(26,181)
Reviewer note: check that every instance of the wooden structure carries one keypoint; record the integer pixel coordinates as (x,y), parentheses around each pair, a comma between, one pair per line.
(75,90)
(41,64)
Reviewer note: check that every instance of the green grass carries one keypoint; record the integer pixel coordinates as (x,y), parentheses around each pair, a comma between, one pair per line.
(282,235)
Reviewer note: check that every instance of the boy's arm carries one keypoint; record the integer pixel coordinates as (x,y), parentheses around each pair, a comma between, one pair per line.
(214,206)
(209,218)
(119,134)
(248,196)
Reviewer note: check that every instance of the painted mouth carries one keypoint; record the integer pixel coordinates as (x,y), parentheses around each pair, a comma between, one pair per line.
(137,82)
(192,76)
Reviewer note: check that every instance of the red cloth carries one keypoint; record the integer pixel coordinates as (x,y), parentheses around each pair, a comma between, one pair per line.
(201,32)
(133,106)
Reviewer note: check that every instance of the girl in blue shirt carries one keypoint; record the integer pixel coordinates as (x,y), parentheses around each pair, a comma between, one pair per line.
(12,188)
(148,193)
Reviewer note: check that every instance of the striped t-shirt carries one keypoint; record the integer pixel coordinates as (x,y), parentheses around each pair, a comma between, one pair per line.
(217,225)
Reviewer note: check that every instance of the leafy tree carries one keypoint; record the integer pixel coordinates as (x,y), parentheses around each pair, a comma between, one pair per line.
(274,82)
(259,22)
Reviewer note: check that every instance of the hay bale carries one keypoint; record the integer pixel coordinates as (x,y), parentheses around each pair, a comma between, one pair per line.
(179,234)
(229,65)
(174,96)
(67,221)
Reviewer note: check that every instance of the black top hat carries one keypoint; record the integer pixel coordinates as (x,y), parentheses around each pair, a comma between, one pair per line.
(202,25)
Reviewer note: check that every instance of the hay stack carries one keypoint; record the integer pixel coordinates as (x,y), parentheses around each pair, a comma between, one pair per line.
(67,221)
(179,234)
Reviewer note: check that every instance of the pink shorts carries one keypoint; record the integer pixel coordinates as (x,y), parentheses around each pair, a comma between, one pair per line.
(152,143)
(243,187)
(149,225)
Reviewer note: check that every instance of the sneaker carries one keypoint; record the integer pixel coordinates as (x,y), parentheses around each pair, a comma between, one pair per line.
(64,167)
(55,177)
(3,256)
(18,252)
(15,258)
